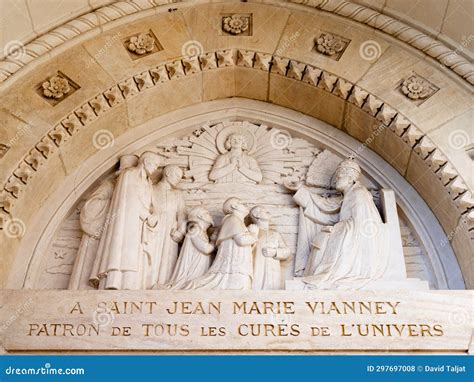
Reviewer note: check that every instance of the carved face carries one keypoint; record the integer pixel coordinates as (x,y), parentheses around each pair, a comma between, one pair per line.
(344,182)
(174,176)
(260,214)
(236,141)
(241,208)
(150,165)
(206,217)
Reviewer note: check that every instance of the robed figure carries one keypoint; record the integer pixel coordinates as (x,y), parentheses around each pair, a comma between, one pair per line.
(166,226)
(236,165)
(232,267)
(315,212)
(195,256)
(268,252)
(354,250)
(92,219)
(122,261)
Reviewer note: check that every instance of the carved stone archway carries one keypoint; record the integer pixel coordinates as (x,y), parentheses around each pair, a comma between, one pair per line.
(124,98)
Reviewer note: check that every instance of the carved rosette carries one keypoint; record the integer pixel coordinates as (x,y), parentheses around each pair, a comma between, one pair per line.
(56,87)
(141,44)
(416,87)
(329,44)
(235,24)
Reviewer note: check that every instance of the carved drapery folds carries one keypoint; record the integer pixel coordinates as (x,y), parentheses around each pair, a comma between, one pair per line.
(236,205)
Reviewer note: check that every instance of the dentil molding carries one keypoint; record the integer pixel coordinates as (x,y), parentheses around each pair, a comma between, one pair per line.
(72,123)
(42,45)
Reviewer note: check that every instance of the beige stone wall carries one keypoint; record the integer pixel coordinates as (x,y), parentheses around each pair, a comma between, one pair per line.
(424,141)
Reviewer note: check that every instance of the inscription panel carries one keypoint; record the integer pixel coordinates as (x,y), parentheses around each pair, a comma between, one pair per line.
(235,321)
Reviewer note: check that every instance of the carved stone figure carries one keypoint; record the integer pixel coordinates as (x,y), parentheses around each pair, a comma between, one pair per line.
(165,227)
(235,165)
(122,261)
(94,218)
(315,212)
(352,252)
(195,256)
(232,268)
(269,250)
(330,221)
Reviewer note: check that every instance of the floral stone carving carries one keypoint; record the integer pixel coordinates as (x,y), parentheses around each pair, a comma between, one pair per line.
(56,87)
(417,88)
(141,44)
(236,24)
(330,45)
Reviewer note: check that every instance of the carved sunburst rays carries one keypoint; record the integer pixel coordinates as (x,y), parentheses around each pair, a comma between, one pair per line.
(277,153)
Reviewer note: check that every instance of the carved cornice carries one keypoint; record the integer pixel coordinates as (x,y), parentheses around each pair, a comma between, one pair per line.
(40,46)
(130,87)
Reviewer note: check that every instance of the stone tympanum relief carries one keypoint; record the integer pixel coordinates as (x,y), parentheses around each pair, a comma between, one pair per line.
(239,206)
(352,245)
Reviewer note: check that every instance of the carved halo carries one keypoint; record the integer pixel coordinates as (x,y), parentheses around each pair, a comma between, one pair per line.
(235,129)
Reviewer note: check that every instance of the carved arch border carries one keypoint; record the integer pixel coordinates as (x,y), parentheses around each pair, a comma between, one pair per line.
(443,261)
(122,91)
(447,57)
